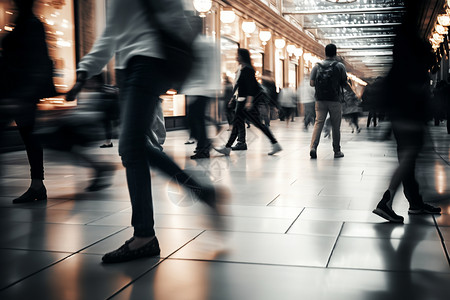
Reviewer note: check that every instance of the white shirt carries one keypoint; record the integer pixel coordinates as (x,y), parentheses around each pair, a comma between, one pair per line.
(128,33)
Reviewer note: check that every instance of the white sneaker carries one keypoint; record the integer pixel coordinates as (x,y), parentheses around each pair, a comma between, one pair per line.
(224,150)
(275,149)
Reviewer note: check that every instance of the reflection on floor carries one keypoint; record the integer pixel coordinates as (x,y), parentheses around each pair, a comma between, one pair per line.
(297,228)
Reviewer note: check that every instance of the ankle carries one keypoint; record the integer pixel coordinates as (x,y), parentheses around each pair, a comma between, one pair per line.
(36,184)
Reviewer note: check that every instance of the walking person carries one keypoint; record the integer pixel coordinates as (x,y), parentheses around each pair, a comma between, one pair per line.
(270,88)
(226,95)
(132,34)
(288,102)
(351,108)
(408,99)
(247,88)
(202,84)
(306,97)
(27,76)
(328,78)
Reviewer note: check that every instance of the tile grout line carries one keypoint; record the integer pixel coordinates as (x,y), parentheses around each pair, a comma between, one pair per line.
(152,268)
(334,246)
(58,261)
(442,240)
(287,230)
(268,204)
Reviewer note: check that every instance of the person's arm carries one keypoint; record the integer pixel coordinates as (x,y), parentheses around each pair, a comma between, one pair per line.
(312,81)
(93,62)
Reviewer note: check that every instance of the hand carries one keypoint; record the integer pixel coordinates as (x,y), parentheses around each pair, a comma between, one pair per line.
(72,94)
(248,105)
(81,79)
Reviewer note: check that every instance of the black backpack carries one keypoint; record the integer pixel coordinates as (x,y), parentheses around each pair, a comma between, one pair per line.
(327,82)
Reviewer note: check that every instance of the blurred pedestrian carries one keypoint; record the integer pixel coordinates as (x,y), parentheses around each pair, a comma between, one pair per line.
(351,108)
(288,102)
(329,78)
(270,88)
(226,95)
(27,76)
(247,88)
(202,84)
(306,97)
(408,99)
(132,34)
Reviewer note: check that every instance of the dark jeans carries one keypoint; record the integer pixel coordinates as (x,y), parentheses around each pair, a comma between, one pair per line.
(251,115)
(140,85)
(410,140)
(196,121)
(25,117)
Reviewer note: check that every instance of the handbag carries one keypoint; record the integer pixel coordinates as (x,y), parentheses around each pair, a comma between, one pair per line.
(179,54)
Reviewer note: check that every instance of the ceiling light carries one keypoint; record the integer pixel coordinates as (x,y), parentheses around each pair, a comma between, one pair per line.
(248,27)
(280,43)
(444,20)
(264,36)
(227,16)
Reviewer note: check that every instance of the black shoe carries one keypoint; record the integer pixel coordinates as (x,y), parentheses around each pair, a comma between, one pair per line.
(106,145)
(125,254)
(424,209)
(385,211)
(32,195)
(239,146)
(313,153)
(189,142)
(199,155)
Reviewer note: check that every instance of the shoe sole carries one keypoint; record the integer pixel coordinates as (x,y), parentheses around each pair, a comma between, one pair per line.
(385,216)
(422,212)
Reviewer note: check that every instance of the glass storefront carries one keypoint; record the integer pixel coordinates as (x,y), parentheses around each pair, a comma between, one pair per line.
(58,19)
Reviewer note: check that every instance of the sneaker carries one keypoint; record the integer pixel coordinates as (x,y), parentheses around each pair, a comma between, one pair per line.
(189,142)
(224,150)
(313,153)
(239,147)
(338,154)
(385,211)
(275,149)
(424,209)
(124,253)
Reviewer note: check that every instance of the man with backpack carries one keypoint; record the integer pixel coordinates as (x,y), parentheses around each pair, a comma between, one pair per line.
(328,78)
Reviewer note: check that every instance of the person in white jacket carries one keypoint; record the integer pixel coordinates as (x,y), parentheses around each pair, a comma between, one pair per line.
(131,36)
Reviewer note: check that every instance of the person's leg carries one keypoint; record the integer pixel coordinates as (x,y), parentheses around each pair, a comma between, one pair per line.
(321,114)
(253,116)
(239,122)
(25,119)
(335,109)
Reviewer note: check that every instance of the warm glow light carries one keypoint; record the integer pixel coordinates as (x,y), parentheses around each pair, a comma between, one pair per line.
(441,29)
(264,36)
(202,6)
(307,56)
(227,16)
(280,43)
(290,49)
(171,92)
(440,178)
(248,26)
(8,28)
(444,20)
(298,52)
(438,37)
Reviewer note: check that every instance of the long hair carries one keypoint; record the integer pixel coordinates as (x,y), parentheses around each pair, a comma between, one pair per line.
(244,55)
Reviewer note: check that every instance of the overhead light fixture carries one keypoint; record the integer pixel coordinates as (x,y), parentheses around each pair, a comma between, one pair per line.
(441,29)
(202,6)
(298,52)
(248,27)
(227,15)
(280,43)
(264,36)
(290,49)
(444,20)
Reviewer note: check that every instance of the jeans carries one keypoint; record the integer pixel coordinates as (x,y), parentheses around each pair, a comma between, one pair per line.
(196,121)
(251,115)
(140,85)
(335,110)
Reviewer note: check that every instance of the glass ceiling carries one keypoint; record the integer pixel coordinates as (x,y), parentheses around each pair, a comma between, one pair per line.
(363,30)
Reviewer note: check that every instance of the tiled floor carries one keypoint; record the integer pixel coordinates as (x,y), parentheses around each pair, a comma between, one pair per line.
(296,228)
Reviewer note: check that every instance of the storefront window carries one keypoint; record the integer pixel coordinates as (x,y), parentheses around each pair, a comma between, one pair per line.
(292,75)
(228,52)
(58,19)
